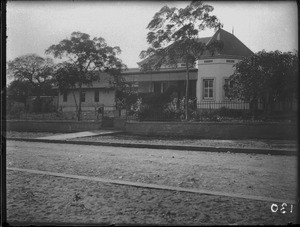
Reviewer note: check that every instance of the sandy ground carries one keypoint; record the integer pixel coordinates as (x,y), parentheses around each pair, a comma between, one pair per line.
(36,198)
(258,175)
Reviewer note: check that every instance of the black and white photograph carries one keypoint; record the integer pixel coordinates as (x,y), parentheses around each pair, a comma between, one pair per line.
(150,113)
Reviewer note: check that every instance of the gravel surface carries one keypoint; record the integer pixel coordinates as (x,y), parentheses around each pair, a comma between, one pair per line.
(43,198)
(259,175)
(123,138)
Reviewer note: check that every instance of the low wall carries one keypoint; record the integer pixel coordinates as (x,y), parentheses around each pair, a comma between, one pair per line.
(51,126)
(119,123)
(212,130)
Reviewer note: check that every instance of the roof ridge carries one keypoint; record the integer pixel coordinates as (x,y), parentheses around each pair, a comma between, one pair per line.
(234,46)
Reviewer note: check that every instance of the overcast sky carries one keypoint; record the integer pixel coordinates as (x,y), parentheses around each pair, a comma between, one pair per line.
(33,26)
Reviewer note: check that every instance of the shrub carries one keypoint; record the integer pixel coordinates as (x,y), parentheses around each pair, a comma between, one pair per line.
(156,107)
(16,110)
(175,109)
(137,108)
(196,116)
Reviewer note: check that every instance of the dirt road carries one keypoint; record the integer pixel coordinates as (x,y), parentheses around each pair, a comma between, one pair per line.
(259,175)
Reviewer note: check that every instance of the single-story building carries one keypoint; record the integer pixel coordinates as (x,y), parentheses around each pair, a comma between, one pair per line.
(100,94)
(207,77)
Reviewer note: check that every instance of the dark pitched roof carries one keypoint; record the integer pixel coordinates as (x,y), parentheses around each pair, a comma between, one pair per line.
(202,40)
(232,46)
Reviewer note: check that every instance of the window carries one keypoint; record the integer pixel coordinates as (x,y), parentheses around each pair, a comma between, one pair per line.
(159,87)
(208,88)
(82,98)
(65,97)
(96,98)
(105,90)
(207,61)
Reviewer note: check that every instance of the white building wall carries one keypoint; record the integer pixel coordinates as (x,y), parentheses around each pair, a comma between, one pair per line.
(217,69)
(106,98)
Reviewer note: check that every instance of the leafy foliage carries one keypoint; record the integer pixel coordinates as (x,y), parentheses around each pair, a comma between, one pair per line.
(15,110)
(266,76)
(174,32)
(175,109)
(173,37)
(153,107)
(88,54)
(18,91)
(67,77)
(137,109)
(84,59)
(34,70)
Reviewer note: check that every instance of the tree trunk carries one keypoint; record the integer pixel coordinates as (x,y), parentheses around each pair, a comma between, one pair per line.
(187,91)
(79,105)
(75,101)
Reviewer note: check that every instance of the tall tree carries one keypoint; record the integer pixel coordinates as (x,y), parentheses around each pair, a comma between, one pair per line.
(84,57)
(66,76)
(266,76)
(173,38)
(18,91)
(35,70)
